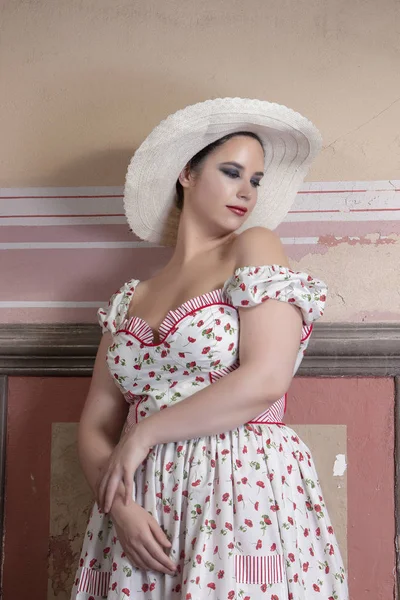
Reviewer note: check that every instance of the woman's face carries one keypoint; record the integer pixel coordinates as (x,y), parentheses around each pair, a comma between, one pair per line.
(223,194)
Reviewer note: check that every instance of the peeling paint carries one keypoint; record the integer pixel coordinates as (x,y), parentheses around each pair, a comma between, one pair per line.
(34,490)
(63,560)
(340,465)
(365,240)
(364,277)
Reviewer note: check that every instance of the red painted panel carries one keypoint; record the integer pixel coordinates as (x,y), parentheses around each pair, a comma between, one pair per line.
(364,405)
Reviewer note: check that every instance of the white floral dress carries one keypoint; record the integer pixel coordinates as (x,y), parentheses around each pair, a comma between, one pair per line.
(243,509)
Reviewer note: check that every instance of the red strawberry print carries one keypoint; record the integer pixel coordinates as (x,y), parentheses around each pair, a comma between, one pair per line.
(211,585)
(197,483)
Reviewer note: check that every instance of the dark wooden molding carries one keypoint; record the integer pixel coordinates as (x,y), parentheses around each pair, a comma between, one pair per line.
(3,440)
(335,350)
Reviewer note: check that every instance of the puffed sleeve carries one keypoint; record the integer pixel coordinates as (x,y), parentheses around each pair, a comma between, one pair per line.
(250,286)
(111,317)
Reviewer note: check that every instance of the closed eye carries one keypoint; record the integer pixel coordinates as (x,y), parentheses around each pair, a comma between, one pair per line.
(233,174)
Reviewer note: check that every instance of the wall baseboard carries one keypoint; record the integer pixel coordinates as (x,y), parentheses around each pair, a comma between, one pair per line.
(335,350)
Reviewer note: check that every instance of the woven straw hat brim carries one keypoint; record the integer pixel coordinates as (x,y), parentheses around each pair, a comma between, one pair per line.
(290,140)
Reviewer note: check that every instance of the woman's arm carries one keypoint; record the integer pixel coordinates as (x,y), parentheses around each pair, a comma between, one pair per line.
(102,418)
(270,336)
(269,342)
(265,373)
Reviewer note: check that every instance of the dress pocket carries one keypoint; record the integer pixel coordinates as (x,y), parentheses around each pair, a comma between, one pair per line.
(94,582)
(259,569)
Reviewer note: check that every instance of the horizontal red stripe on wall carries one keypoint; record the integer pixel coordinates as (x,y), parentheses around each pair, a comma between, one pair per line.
(121,232)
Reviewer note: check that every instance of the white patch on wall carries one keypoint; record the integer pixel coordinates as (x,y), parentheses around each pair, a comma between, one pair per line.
(340,465)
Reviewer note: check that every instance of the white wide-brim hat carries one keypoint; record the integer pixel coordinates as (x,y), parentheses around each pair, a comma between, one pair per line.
(290,140)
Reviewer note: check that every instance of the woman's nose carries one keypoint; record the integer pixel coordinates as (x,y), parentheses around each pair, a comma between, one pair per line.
(245,190)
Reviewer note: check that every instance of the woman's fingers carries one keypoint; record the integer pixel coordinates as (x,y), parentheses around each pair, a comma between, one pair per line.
(158,554)
(135,560)
(158,533)
(109,494)
(152,563)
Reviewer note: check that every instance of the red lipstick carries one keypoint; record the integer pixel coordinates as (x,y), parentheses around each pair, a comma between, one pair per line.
(238,210)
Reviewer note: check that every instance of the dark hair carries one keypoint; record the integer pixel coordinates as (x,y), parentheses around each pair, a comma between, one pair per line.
(195,163)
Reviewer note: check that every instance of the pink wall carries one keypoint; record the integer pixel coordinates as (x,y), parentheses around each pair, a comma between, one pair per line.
(364,406)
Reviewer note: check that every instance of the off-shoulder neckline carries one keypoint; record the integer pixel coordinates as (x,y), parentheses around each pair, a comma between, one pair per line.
(216,296)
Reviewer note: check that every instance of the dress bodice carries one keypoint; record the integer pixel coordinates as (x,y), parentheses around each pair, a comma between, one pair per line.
(199,341)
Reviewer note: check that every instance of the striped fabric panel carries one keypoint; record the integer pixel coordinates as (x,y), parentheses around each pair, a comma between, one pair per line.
(202,301)
(139,329)
(131,418)
(274,414)
(130,398)
(215,375)
(94,582)
(306,332)
(259,569)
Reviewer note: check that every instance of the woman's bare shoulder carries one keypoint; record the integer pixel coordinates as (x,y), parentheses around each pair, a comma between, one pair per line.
(259,246)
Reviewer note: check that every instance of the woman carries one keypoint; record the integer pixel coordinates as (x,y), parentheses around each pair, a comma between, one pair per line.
(206,493)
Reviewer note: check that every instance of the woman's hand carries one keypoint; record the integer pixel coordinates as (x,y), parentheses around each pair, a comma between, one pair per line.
(141,538)
(120,469)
